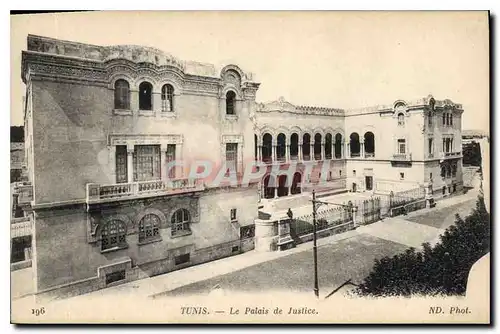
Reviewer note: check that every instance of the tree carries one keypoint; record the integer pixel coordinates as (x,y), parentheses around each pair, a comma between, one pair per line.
(442,269)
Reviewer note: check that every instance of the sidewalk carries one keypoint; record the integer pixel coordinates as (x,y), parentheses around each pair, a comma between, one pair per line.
(394,229)
(149,287)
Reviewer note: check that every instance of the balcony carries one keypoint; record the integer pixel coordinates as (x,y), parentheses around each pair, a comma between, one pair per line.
(25,192)
(449,155)
(20,227)
(401,157)
(97,193)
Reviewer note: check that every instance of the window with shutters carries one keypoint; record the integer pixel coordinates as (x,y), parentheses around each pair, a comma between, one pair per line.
(121,164)
(113,235)
(122,94)
(231,156)
(149,228)
(147,162)
(170,158)
(181,220)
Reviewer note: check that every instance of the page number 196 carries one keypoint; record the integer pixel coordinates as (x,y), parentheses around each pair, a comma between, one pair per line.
(38,311)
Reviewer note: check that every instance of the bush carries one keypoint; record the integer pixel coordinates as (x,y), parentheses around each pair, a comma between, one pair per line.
(442,269)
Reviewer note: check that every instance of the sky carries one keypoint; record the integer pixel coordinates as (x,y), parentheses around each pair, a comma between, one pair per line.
(320,58)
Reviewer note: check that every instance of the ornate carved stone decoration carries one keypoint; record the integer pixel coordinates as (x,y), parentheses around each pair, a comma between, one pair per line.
(144,139)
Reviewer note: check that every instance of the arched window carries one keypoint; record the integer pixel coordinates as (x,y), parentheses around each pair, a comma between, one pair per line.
(444,118)
(230,103)
(282,186)
(451,119)
(294,146)
(306,147)
(281,147)
(354,145)
(317,146)
(267,145)
(122,94)
(443,171)
(401,119)
(149,227)
(369,144)
(145,96)
(167,98)
(328,146)
(180,222)
(113,235)
(338,146)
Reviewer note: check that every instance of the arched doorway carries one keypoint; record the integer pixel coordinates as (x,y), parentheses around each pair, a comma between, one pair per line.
(282,186)
(296,183)
(268,187)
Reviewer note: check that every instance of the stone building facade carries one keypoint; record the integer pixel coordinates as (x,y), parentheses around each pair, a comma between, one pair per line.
(105,124)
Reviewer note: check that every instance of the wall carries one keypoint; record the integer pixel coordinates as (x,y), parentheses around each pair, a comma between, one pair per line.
(64,254)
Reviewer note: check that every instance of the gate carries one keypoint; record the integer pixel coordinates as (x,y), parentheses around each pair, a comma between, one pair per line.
(406,201)
(331,220)
(369,210)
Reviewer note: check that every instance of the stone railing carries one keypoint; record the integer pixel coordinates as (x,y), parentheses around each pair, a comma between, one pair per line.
(450,154)
(98,192)
(25,192)
(20,227)
(401,157)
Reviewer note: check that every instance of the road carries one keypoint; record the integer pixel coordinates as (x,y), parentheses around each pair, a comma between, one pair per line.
(350,258)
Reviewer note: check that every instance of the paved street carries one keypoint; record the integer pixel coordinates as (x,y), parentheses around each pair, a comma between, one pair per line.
(337,262)
(344,256)
(350,258)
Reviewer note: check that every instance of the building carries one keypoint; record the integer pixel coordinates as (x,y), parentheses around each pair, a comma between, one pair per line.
(106,124)
(103,122)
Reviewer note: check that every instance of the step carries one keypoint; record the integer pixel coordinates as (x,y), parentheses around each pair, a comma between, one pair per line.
(327,193)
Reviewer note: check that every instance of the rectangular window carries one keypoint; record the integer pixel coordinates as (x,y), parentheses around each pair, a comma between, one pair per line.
(247,231)
(430,120)
(170,158)
(233,214)
(235,249)
(353,172)
(401,176)
(147,162)
(402,146)
(232,156)
(121,164)
(184,258)
(430,176)
(115,277)
(430,145)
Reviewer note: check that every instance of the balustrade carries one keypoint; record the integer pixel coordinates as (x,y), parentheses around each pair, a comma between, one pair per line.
(120,190)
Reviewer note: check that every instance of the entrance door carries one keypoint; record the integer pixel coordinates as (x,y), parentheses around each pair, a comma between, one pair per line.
(369,182)
(354,187)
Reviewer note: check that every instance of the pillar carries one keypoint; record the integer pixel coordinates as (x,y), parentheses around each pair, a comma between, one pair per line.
(259,152)
(112,162)
(311,151)
(134,100)
(301,158)
(273,155)
(347,151)
(287,152)
(362,148)
(179,171)
(130,163)
(163,162)
(322,151)
(157,102)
